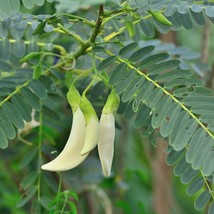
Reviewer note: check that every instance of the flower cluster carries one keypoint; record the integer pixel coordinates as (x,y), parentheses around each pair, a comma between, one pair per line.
(86,133)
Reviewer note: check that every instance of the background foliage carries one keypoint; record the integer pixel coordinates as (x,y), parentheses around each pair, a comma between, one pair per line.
(165,83)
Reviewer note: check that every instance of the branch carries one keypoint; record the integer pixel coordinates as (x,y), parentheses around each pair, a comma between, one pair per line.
(86,44)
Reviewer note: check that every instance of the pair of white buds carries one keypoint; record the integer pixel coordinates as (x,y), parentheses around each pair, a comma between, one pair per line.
(87,132)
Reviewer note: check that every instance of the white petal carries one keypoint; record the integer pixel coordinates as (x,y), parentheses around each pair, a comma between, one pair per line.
(106,142)
(92,135)
(70,156)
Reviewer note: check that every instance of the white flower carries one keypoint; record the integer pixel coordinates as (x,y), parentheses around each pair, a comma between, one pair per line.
(70,156)
(106,142)
(107,133)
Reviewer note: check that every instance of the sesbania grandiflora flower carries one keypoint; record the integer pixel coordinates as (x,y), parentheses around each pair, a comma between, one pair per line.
(92,125)
(70,156)
(107,133)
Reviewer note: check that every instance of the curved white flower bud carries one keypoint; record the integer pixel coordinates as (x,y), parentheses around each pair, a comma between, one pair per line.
(70,156)
(92,126)
(106,142)
(107,133)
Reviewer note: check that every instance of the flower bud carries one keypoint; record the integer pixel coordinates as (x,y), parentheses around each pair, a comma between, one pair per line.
(107,133)
(70,156)
(106,142)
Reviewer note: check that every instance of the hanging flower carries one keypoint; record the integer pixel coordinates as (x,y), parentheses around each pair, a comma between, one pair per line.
(107,133)
(70,156)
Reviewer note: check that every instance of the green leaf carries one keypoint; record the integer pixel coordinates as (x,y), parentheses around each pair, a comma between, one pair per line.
(39,2)
(13,115)
(148,27)
(202,200)
(51,182)
(38,89)
(27,196)
(117,73)
(141,53)
(5,48)
(145,91)
(151,60)
(203,108)
(174,75)
(181,92)
(33,47)
(194,144)
(128,113)
(47,82)
(22,107)
(121,107)
(183,118)
(28,3)
(202,151)
(195,100)
(208,167)
(167,65)
(179,82)
(185,20)
(181,167)
(184,134)
(143,116)
(28,157)
(29,180)
(211,208)
(31,98)
(162,28)
(195,186)
(132,88)
(153,99)
(36,207)
(106,62)
(7,125)
(19,48)
(128,48)
(124,80)
(5,66)
(198,17)
(188,176)
(45,201)
(3,140)
(173,157)
(161,111)
(170,119)
(5,7)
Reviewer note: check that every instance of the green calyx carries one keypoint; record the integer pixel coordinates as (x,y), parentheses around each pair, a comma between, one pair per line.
(73,97)
(87,109)
(112,103)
